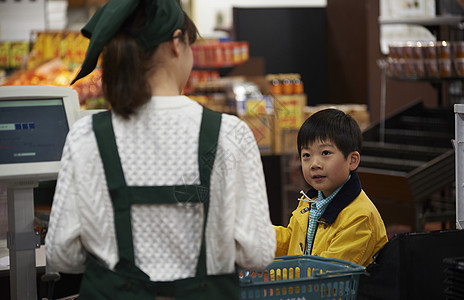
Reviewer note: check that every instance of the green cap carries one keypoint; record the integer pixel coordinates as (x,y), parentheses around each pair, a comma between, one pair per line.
(163,18)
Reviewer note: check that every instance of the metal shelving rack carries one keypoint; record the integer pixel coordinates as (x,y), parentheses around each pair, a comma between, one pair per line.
(450,27)
(435,21)
(459,161)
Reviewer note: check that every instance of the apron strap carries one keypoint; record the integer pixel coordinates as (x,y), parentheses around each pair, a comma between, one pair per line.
(123,196)
(115,180)
(103,128)
(209,136)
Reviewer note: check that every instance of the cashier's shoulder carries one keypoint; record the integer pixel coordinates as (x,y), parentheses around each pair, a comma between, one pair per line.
(81,128)
(232,123)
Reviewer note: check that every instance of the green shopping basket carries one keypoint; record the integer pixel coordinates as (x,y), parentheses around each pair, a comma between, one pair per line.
(302,277)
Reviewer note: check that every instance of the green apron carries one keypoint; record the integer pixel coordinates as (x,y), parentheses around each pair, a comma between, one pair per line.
(127,281)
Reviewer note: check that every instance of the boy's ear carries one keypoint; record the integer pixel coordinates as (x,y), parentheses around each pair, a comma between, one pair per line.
(355,159)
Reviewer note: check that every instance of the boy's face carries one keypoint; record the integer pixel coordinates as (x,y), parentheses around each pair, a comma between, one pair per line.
(325,167)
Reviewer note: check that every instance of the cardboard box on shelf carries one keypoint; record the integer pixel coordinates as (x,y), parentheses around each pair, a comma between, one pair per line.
(255,107)
(362,117)
(289,110)
(285,141)
(358,112)
(262,127)
(289,114)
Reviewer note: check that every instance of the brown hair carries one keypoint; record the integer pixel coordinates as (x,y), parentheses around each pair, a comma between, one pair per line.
(125,65)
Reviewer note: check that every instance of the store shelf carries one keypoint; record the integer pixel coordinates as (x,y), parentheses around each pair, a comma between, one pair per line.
(435,21)
(416,160)
(222,71)
(426,79)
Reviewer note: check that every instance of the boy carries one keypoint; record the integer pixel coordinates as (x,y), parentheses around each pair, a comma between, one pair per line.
(335,218)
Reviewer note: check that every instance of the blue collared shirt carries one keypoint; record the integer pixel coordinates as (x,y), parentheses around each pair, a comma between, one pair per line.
(317,209)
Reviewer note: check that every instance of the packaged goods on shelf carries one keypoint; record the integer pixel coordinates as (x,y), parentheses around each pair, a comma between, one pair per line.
(250,96)
(459,66)
(285,84)
(209,91)
(69,46)
(219,54)
(425,59)
(4,55)
(239,91)
(274,119)
(13,54)
(54,59)
(199,78)
(18,52)
(237,95)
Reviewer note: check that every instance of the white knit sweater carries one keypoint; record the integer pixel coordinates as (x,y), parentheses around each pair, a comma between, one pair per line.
(159,147)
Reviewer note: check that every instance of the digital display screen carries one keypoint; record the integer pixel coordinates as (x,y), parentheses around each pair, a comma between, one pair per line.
(32,130)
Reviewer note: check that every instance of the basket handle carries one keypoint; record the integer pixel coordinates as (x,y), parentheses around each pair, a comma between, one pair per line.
(355,267)
(320,258)
(334,273)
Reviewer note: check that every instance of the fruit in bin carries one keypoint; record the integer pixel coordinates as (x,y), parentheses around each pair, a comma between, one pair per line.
(89,87)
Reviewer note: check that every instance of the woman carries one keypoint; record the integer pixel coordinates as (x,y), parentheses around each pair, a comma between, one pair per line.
(159,196)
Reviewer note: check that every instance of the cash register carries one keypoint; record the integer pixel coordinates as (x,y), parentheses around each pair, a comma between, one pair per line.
(34,122)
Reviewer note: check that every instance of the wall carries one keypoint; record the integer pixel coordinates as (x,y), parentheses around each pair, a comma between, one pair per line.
(209,14)
(353,51)
(347,51)
(291,40)
(18,18)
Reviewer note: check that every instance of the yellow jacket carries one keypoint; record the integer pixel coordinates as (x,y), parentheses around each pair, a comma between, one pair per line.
(351,228)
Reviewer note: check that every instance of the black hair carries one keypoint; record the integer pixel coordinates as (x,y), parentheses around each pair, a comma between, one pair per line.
(331,125)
